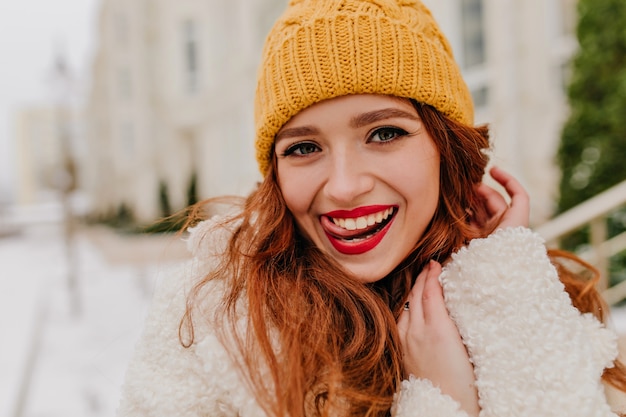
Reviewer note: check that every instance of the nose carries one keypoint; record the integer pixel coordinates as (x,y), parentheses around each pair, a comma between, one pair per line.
(348,178)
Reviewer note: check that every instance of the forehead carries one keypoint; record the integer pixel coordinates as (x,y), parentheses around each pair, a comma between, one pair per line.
(350,106)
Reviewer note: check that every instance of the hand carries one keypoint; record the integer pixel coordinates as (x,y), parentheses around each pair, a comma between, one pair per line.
(431,345)
(496,210)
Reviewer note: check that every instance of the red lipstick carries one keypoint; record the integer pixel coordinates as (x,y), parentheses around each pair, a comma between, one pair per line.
(353,242)
(357,212)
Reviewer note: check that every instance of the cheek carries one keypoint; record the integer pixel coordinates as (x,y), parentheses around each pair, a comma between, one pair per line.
(419,177)
(420,186)
(298,202)
(295,194)
(429,188)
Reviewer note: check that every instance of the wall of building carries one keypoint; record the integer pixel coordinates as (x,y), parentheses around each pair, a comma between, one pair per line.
(520,83)
(173,88)
(43,136)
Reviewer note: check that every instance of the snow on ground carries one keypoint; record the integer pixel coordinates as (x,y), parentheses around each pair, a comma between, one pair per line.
(55,362)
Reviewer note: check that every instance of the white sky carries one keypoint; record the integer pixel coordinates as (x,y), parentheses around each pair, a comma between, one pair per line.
(31,31)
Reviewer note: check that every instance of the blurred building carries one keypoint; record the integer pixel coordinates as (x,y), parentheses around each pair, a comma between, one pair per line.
(42,139)
(515,56)
(48,140)
(170,111)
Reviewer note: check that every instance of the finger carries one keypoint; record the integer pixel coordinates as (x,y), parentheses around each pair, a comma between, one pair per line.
(519,211)
(403,320)
(433,304)
(414,314)
(518,194)
(494,201)
(415,306)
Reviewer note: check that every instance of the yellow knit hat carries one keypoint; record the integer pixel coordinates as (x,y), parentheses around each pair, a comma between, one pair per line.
(320,49)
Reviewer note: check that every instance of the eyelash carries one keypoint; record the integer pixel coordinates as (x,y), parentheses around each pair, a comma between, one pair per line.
(395,130)
(291,150)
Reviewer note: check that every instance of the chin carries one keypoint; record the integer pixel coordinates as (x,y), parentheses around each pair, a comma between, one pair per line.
(366,276)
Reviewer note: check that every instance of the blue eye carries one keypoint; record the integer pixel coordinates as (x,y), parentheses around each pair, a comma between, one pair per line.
(387,134)
(301,149)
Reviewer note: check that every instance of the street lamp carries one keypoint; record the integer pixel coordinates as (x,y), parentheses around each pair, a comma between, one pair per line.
(64,179)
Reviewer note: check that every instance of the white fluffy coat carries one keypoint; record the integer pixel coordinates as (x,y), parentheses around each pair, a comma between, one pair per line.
(534,354)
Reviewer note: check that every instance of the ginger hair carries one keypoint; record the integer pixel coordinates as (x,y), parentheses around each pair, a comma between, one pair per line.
(326,341)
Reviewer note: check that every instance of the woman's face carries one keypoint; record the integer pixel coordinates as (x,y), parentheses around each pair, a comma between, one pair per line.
(360,175)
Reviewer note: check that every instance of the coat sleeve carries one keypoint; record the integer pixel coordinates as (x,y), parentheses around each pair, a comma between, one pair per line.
(163,377)
(419,397)
(534,354)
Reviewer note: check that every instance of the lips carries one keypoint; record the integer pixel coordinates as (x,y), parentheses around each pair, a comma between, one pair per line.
(362,222)
(358,231)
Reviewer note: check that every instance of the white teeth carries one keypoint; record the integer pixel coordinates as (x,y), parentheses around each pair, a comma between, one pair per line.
(350,224)
(363,221)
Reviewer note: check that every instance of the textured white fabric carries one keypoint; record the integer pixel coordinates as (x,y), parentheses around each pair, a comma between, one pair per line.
(418,397)
(534,354)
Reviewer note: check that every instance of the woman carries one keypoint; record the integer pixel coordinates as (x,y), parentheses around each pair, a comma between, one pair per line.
(324,293)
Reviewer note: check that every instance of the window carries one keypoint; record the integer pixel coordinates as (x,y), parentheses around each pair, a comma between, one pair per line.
(564,43)
(568,20)
(190,56)
(480,96)
(120,29)
(127,139)
(473,35)
(266,17)
(124,83)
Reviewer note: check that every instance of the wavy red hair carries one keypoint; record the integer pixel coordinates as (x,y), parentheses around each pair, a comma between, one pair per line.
(339,347)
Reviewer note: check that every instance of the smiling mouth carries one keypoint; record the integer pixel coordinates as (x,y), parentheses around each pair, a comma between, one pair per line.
(356,235)
(362,227)
(363,222)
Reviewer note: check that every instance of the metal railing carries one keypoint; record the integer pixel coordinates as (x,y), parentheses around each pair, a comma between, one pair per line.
(594,213)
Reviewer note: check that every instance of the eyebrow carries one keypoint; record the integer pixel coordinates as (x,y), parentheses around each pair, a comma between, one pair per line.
(295,132)
(357,121)
(374,116)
